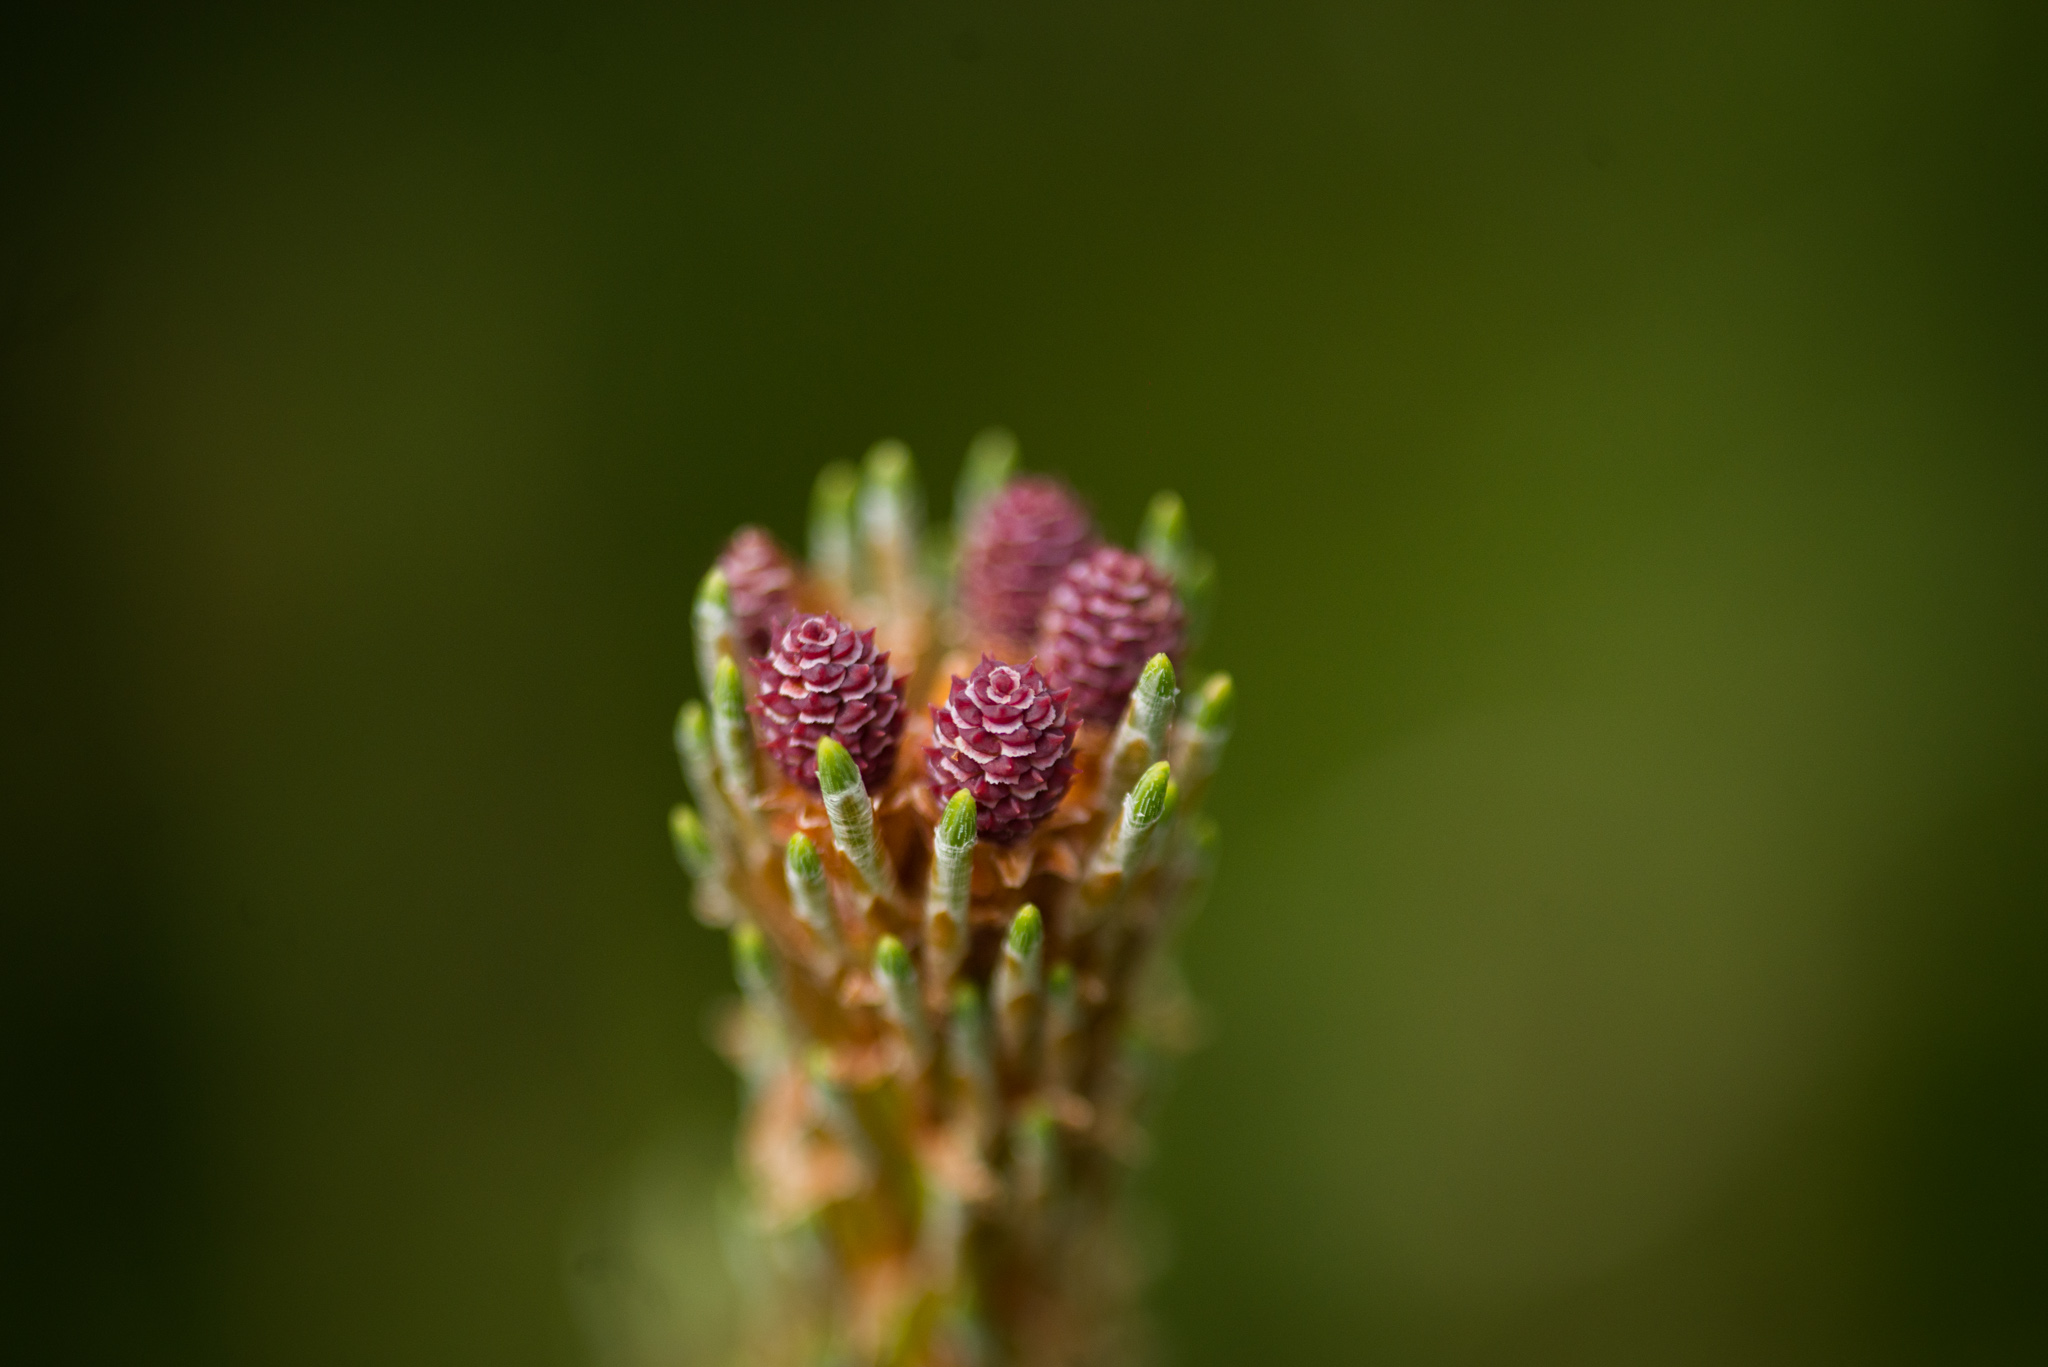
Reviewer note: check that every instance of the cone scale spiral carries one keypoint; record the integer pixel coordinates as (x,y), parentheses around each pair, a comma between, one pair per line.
(948,808)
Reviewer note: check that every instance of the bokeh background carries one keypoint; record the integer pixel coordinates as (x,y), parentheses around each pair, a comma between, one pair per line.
(1622,431)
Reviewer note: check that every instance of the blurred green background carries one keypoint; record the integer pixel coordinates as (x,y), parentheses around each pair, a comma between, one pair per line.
(1622,431)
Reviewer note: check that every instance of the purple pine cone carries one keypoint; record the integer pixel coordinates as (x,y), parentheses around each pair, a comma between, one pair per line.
(1108,615)
(825,679)
(1004,736)
(759,577)
(1019,544)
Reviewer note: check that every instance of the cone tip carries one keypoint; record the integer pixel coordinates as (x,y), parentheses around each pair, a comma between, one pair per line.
(888,462)
(1027,931)
(1158,679)
(727,694)
(836,482)
(956,827)
(1219,698)
(801,858)
(837,772)
(1148,799)
(892,960)
(713,590)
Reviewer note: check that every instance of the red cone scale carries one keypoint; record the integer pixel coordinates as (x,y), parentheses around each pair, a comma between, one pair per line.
(1019,544)
(1003,735)
(825,679)
(1108,614)
(759,577)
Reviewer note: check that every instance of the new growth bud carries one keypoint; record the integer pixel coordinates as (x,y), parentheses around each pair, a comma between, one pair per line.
(1217,704)
(900,1000)
(1027,933)
(753,967)
(1202,739)
(704,863)
(700,766)
(731,736)
(836,770)
(1147,801)
(831,538)
(809,896)
(1151,708)
(891,507)
(1141,738)
(1018,983)
(723,820)
(1035,1143)
(711,625)
(1196,585)
(957,822)
(1063,1029)
(1163,539)
(967,1052)
(693,846)
(951,888)
(1122,854)
(991,456)
(853,818)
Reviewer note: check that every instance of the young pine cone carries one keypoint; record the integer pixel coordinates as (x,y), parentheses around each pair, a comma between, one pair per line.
(825,679)
(1003,735)
(759,577)
(1109,613)
(1019,543)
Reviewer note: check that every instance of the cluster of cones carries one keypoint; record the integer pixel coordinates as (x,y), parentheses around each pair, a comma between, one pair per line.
(947,803)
